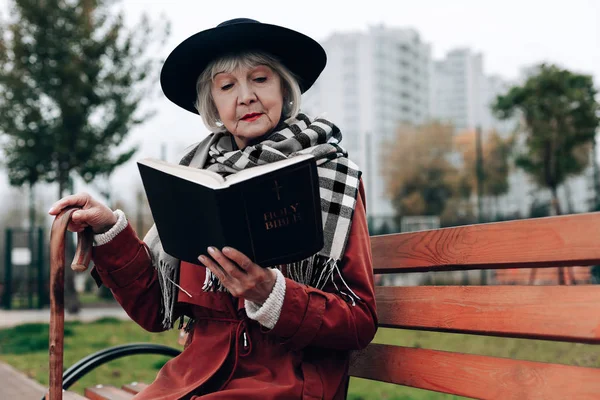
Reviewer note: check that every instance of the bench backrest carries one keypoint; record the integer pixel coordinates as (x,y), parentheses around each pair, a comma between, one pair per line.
(556,313)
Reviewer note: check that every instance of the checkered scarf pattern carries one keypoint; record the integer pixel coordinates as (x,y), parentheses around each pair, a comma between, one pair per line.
(338,187)
(338,176)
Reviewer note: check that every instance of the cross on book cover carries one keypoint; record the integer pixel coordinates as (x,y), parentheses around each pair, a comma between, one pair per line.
(271,213)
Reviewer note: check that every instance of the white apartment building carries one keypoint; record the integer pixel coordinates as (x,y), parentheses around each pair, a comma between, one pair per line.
(382,77)
(494,85)
(462,94)
(457,87)
(373,81)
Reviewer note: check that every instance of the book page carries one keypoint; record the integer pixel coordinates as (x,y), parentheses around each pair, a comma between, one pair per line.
(263,169)
(201,176)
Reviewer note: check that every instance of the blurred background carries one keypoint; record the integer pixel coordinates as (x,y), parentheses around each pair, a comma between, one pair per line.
(457,113)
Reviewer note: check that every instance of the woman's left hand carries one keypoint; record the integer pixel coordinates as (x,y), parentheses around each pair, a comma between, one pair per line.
(239,274)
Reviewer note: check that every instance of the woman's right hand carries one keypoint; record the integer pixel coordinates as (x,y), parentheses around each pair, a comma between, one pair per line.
(93,213)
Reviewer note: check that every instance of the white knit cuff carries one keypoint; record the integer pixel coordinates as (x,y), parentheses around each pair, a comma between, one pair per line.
(268,314)
(117,228)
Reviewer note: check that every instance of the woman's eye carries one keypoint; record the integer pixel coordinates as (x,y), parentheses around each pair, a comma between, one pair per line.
(260,79)
(227,87)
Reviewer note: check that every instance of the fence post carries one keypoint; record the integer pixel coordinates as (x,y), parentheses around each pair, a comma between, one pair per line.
(42,299)
(30,267)
(6,301)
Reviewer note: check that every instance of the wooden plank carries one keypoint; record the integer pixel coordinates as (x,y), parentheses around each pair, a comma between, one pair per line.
(548,276)
(475,376)
(570,240)
(563,313)
(106,392)
(134,387)
(68,396)
(14,384)
(72,396)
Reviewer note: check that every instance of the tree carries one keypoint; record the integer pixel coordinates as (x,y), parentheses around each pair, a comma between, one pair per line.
(560,116)
(497,162)
(419,177)
(70,89)
(72,79)
(496,155)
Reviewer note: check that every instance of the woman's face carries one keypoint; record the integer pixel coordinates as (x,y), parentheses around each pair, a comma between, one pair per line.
(249,101)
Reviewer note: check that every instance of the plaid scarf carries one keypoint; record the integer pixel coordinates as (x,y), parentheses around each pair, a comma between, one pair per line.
(338,182)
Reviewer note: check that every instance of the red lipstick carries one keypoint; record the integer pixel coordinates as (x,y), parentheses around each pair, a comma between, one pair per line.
(251,117)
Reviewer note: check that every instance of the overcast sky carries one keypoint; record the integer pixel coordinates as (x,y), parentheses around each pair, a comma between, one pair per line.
(511,35)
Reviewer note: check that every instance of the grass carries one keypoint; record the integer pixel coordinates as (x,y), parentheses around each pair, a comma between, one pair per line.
(26,348)
(93,299)
(87,299)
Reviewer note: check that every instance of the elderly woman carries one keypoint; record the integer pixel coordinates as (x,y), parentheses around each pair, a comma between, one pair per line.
(255,333)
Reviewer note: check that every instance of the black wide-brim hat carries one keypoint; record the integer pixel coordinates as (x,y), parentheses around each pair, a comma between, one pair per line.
(303,56)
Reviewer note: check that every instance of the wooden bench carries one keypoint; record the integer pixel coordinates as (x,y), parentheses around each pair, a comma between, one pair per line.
(552,313)
(107,392)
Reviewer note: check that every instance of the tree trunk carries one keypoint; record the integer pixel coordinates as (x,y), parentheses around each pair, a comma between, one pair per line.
(555,210)
(31,207)
(72,303)
(497,215)
(569,197)
(32,248)
(62,184)
(532,276)
(596,177)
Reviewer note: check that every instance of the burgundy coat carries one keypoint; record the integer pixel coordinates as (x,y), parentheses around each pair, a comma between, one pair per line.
(228,355)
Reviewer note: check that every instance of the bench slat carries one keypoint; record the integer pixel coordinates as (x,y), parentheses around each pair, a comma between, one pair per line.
(106,392)
(475,376)
(570,240)
(562,313)
(134,387)
(71,396)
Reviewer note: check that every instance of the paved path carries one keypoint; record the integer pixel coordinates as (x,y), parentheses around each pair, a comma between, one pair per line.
(15,385)
(9,318)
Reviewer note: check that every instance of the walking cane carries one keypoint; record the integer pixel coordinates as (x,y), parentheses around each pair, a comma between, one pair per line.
(57,292)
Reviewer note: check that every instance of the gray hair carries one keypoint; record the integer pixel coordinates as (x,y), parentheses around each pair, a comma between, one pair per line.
(204,101)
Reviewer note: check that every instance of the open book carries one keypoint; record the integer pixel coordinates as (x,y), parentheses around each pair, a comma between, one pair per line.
(271,213)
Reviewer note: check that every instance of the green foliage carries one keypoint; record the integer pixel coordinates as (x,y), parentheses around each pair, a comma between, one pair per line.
(497,165)
(81,340)
(595,273)
(28,338)
(488,164)
(107,321)
(496,153)
(420,179)
(560,116)
(540,209)
(71,83)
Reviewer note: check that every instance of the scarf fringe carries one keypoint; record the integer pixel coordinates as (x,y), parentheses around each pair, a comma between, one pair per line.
(167,275)
(315,271)
(212,283)
(300,135)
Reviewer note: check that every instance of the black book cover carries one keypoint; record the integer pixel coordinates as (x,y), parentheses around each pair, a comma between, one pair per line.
(274,218)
